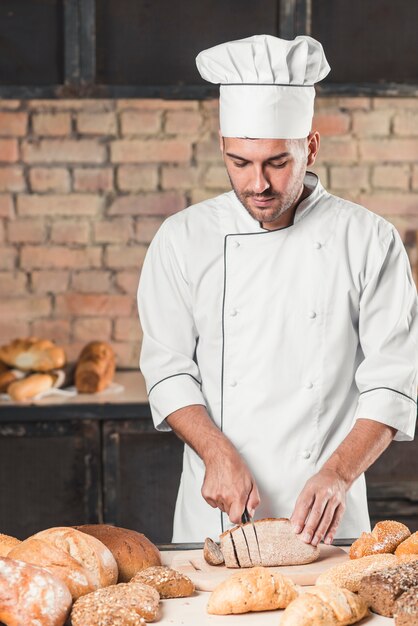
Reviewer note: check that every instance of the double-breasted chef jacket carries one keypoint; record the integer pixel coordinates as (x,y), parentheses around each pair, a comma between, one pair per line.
(287,336)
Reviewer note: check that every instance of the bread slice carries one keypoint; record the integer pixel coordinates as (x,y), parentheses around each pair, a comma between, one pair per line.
(212,552)
(277,545)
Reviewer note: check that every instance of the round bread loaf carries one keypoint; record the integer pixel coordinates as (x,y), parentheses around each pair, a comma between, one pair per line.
(384,538)
(132,550)
(31,596)
(118,605)
(168,582)
(82,562)
(7,543)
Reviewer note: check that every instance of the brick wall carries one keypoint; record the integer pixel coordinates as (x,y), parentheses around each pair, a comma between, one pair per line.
(85,184)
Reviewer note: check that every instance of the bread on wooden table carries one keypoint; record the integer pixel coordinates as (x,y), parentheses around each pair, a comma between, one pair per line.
(125,604)
(277,544)
(349,574)
(31,596)
(409,546)
(212,552)
(384,538)
(82,562)
(406,609)
(257,589)
(95,367)
(33,354)
(7,543)
(168,582)
(324,605)
(132,550)
(382,589)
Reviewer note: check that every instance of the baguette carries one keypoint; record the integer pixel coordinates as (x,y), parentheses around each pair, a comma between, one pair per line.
(384,538)
(325,605)
(256,589)
(33,354)
(95,367)
(31,596)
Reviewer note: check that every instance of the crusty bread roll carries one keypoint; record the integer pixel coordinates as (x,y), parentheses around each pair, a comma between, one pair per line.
(212,552)
(7,543)
(95,367)
(384,538)
(33,354)
(29,387)
(409,546)
(277,545)
(7,377)
(31,596)
(132,550)
(349,574)
(256,589)
(82,562)
(168,582)
(117,605)
(324,605)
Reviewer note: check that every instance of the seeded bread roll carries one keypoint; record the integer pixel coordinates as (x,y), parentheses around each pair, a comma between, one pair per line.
(82,562)
(132,550)
(7,543)
(384,538)
(126,604)
(33,354)
(349,574)
(381,589)
(256,589)
(168,582)
(325,605)
(31,596)
(409,546)
(406,608)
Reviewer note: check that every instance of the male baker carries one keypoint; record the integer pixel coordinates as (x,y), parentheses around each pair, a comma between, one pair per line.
(280,322)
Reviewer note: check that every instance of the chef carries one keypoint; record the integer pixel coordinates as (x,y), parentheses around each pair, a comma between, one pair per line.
(280,322)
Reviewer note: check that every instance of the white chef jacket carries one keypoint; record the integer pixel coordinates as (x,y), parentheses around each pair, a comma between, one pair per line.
(287,336)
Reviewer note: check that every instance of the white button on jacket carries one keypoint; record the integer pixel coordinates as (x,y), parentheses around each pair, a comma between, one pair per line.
(358,359)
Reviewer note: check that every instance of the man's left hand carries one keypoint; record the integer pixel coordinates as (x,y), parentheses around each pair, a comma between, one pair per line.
(320,507)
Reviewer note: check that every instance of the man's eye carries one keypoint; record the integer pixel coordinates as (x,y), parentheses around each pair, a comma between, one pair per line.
(278,166)
(239,163)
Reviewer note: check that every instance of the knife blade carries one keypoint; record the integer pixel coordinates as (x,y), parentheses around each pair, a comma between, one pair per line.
(245,518)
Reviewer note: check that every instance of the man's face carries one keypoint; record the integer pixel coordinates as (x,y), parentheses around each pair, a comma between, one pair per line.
(266,174)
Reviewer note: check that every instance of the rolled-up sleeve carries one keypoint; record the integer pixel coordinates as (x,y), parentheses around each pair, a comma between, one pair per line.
(169,334)
(388,331)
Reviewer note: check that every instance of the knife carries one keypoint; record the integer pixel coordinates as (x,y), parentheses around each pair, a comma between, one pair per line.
(245,518)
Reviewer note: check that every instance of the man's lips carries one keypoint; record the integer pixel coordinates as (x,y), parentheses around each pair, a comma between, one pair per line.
(262,201)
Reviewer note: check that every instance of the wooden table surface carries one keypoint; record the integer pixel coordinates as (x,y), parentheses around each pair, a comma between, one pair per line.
(192,611)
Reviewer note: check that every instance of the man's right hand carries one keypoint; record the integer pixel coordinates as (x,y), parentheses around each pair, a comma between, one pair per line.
(228,483)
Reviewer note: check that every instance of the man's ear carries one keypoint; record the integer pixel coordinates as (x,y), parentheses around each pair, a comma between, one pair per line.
(314,141)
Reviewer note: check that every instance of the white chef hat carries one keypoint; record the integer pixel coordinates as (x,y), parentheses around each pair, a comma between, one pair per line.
(266,84)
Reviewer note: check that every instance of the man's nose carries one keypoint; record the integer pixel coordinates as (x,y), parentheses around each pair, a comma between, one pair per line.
(260,181)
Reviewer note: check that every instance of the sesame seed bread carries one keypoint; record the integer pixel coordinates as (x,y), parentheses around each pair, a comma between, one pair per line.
(349,574)
(168,582)
(384,538)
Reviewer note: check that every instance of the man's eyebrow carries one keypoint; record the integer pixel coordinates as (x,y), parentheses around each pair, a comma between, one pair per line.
(276,157)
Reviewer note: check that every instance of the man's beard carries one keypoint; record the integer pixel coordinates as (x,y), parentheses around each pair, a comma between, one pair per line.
(286,202)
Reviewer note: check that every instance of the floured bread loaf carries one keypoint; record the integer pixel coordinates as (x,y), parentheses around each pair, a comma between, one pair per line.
(33,354)
(125,604)
(277,545)
(384,538)
(7,543)
(31,596)
(252,590)
(350,573)
(82,562)
(325,605)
